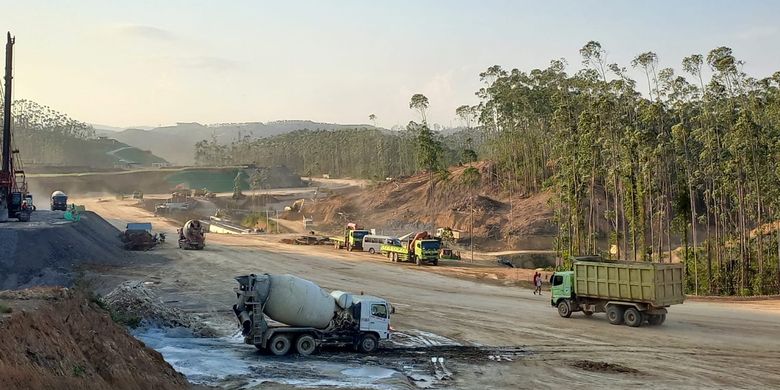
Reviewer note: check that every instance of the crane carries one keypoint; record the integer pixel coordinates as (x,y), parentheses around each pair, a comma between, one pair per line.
(13,184)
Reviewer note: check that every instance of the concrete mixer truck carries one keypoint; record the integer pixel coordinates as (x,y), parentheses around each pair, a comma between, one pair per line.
(192,236)
(278,313)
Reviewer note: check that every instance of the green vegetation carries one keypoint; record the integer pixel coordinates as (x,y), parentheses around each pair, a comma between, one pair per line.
(47,137)
(359,152)
(645,173)
(79,371)
(5,309)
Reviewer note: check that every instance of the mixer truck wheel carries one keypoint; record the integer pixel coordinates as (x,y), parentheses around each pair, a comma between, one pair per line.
(279,345)
(368,343)
(615,315)
(305,345)
(632,317)
(564,308)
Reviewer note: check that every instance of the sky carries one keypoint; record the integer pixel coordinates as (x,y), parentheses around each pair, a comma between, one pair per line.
(130,63)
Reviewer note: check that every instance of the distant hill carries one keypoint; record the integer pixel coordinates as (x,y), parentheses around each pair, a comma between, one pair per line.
(176,143)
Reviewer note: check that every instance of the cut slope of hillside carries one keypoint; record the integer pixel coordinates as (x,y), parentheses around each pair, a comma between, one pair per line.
(54,339)
(403,205)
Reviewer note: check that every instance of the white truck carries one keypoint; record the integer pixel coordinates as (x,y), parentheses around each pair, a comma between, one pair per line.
(279,312)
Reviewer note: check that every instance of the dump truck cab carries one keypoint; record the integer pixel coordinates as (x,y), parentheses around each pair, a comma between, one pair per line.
(427,250)
(561,286)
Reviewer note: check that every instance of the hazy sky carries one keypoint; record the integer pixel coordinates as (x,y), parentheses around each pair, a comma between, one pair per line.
(126,63)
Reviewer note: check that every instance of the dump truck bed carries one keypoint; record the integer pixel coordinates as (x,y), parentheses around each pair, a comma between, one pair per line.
(659,284)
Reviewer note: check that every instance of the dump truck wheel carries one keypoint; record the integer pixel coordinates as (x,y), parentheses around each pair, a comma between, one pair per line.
(656,319)
(368,343)
(279,345)
(371,251)
(615,315)
(564,308)
(305,345)
(632,317)
(436,262)
(587,313)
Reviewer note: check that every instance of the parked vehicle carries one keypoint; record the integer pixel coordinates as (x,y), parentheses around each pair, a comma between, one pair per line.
(352,238)
(138,236)
(373,243)
(630,293)
(419,249)
(279,312)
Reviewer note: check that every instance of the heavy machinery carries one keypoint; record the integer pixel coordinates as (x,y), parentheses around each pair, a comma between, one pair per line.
(59,201)
(13,185)
(630,293)
(277,312)
(138,236)
(352,238)
(449,254)
(192,235)
(421,248)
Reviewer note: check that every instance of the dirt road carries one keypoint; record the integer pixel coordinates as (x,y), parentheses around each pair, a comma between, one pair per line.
(702,344)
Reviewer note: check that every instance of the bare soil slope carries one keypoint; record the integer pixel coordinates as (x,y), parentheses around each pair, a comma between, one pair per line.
(411,203)
(53,340)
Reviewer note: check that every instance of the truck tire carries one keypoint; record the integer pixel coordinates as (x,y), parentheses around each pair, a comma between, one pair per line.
(615,315)
(305,345)
(371,251)
(436,262)
(368,343)
(633,317)
(656,319)
(279,345)
(564,308)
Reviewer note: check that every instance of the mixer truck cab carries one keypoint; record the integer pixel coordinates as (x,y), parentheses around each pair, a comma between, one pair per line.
(279,313)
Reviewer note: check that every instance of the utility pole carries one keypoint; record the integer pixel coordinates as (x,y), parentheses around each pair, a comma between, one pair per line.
(471,234)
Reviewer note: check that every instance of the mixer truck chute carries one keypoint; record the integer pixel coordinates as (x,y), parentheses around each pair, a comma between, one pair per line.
(192,235)
(279,313)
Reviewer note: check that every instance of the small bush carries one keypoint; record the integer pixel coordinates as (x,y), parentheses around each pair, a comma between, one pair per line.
(5,309)
(79,371)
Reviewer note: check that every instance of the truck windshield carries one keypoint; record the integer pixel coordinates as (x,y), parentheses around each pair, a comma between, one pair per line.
(557,280)
(430,245)
(359,234)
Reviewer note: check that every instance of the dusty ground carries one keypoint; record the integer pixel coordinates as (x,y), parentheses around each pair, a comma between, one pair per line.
(702,344)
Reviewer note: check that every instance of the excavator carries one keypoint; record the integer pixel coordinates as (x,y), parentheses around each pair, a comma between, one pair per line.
(13,184)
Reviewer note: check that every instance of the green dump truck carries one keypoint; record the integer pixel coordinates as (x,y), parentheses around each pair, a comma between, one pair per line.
(631,293)
(420,249)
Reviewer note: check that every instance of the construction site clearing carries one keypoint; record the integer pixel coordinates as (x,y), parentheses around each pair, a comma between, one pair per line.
(460,324)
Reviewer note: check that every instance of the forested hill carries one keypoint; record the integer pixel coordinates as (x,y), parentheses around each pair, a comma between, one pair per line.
(47,137)
(356,152)
(175,143)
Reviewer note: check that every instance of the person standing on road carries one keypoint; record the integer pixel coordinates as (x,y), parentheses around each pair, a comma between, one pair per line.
(538,283)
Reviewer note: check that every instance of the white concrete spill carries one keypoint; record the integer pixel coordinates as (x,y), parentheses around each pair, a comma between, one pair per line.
(369,372)
(228,362)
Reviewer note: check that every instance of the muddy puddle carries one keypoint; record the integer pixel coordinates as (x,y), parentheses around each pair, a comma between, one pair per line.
(414,359)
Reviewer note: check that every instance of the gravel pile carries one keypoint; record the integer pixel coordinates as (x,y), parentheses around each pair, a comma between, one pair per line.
(132,299)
